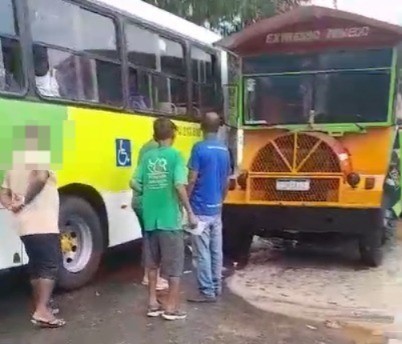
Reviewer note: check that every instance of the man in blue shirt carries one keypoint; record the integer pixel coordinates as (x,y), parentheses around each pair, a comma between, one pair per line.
(209,171)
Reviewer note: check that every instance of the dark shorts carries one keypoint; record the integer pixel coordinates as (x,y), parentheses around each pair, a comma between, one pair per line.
(44,253)
(165,250)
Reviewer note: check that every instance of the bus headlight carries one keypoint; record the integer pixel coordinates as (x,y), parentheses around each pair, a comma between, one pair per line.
(353,179)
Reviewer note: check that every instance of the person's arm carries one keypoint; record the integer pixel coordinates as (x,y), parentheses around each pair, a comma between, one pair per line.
(229,172)
(5,193)
(5,198)
(180,182)
(136,181)
(36,185)
(192,178)
(193,168)
(182,192)
(132,183)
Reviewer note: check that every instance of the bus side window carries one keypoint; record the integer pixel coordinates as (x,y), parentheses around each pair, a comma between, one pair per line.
(11,72)
(170,95)
(207,93)
(77,57)
(109,83)
(139,90)
(157,72)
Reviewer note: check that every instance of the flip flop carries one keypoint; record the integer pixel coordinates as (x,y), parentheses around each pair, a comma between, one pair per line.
(154,312)
(176,315)
(55,323)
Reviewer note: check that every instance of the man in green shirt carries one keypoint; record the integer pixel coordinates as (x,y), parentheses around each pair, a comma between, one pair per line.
(136,204)
(161,178)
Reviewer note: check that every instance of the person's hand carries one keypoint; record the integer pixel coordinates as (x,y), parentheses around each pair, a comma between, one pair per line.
(192,220)
(17,203)
(16,208)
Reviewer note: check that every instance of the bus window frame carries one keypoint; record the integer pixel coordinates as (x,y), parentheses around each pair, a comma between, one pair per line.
(174,38)
(18,8)
(215,55)
(390,107)
(97,10)
(120,19)
(398,87)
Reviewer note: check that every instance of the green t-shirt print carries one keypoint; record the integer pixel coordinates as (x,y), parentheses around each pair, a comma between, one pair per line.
(159,171)
(137,199)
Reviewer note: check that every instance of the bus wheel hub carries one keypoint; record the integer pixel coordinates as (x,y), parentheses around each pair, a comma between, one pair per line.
(67,243)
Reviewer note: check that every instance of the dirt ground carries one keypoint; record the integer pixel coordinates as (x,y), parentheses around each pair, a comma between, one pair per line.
(325,283)
(111,311)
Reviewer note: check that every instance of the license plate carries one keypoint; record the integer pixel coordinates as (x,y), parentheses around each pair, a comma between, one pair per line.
(293,185)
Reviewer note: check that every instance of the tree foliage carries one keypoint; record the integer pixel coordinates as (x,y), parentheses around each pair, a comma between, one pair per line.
(225,16)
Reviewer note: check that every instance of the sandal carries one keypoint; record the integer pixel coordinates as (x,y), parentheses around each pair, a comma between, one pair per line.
(55,323)
(54,310)
(176,315)
(154,312)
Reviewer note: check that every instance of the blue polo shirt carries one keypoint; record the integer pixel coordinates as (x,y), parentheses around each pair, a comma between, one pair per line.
(210,158)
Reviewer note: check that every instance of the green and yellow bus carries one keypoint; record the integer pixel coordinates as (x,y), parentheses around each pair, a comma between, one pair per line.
(318,99)
(94,74)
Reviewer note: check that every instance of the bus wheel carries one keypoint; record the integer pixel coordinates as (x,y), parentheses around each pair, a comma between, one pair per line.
(82,242)
(371,248)
(236,247)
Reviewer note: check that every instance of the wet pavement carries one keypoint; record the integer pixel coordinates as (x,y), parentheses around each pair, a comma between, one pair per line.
(111,311)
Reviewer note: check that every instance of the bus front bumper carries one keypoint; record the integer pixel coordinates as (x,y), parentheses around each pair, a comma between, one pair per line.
(277,220)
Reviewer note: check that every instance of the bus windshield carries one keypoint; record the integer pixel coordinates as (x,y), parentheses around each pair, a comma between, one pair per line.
(335,87)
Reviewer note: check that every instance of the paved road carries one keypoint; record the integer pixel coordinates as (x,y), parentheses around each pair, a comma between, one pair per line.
(111,311)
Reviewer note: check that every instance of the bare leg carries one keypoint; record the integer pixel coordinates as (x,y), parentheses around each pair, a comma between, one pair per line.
(34,284)
(35,296)
(161,283)
(173,301)
(152,278)
(43,289)
(145,280)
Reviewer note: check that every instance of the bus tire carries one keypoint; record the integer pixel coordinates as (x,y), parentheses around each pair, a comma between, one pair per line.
(372,249)
(82,242)
(236,246)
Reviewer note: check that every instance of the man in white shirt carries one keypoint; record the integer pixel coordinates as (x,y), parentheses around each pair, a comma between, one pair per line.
(29,191)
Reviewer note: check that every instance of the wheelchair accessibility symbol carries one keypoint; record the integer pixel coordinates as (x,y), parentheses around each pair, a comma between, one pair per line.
(123,153)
